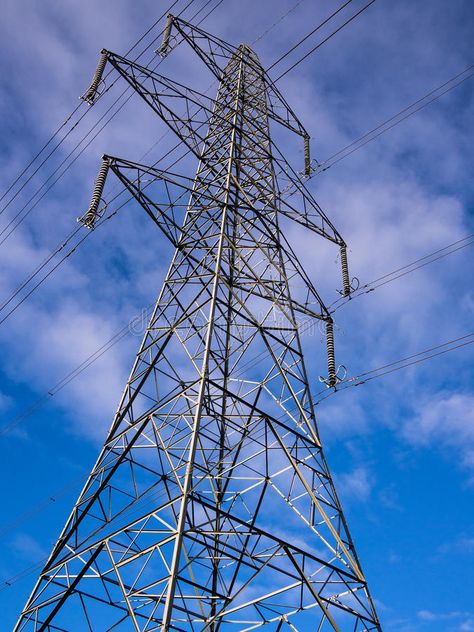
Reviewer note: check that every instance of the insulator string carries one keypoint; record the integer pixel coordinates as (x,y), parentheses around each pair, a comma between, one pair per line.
(55,134)
(346,284)
(90,218)
(331,380)
(30,569)
(164,48)
(84,137)
(307,156)
(91,93)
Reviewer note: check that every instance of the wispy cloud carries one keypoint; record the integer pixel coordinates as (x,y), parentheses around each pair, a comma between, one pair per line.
(402,196)
(446,420)
(356,485)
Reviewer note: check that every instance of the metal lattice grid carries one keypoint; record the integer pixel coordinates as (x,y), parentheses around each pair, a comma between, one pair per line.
(211,506)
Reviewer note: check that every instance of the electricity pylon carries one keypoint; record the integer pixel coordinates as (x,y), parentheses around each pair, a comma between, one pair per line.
(211,506)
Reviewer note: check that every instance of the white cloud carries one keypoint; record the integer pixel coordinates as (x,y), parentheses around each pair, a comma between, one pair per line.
(355,486)
(393,201)
(429,617)
(387,216)
(446,420)
(27,548)
(463,544)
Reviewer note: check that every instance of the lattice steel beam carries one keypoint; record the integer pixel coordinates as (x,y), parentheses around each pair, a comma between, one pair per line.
(211,506)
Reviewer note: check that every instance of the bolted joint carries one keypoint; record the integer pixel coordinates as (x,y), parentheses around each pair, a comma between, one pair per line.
(91,94)
(332,377)
(165,44)
(346,284)
(91,216)
(307,156)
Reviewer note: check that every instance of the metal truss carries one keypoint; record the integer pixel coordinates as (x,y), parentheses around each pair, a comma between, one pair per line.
(211,506)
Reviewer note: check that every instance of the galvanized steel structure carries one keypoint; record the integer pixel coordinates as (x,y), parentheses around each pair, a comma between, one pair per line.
(211,506)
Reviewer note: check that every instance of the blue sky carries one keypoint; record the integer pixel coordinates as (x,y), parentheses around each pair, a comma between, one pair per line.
(401,448)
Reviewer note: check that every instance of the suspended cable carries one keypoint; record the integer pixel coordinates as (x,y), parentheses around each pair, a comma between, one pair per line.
(305,38)
(62,244)
(280,19)
(255,41)
(326,39)
(6,583)
(402,363)
(288,52)
(43,399)
(41,506)
(365,289)
(43,279)
(37,155)
(128,89)
(72,375)
(50,272)
(396,119)
(321,167)
(76,109)
(402,271)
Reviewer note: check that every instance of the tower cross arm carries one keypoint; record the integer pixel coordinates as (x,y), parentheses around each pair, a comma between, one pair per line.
(211,505)
(137,178)
(214,51)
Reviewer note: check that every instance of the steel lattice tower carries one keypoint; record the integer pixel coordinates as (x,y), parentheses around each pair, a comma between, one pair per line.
(211,506)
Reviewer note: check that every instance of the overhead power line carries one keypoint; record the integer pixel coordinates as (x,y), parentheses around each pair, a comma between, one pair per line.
(367,288)
(73,374)
(31,512)
(317,28)
(408,111)
(358,380)
(401,363)
(66,121)
(280,19)
(408,268)
(65,241)
(121,333)
(326,39)
(24,211)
